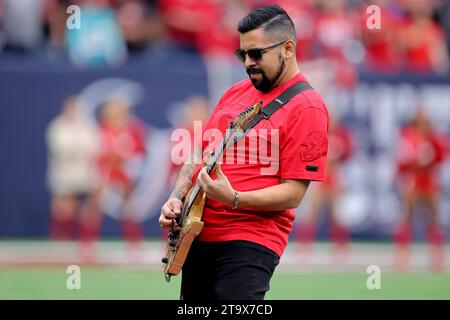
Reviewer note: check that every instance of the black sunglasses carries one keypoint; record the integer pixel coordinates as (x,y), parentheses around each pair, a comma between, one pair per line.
(254,54)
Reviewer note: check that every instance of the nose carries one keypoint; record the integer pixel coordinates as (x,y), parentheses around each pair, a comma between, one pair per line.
(249,62)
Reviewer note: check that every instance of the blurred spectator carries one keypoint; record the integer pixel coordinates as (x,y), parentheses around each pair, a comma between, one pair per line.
(382,52)
(54,22)
(22,24)
(337,31)
(123,141)
(185,20)
(421,39)
(140,23)
(327,194)
(219,36)
(444,15)
(217,41)
(99,41)
(304,15)
(420,152)
(336,28)
(72,145)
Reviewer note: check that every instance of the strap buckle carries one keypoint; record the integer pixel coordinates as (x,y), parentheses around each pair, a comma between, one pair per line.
(264,115)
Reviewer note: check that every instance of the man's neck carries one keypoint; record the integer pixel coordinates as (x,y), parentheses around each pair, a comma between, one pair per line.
(289,73)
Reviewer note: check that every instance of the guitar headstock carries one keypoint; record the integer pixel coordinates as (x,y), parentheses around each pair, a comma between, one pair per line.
(245,116)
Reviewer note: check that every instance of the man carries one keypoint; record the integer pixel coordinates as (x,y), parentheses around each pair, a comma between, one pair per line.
(248,215)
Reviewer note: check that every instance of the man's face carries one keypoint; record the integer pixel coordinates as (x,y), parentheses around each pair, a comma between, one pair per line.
(263,73)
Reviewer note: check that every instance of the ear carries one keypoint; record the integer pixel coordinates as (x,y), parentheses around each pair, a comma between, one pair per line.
(289,49)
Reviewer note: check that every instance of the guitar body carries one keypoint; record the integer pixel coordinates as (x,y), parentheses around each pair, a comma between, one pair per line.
(177,250)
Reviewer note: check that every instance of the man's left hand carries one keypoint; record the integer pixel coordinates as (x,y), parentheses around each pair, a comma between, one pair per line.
(219,189)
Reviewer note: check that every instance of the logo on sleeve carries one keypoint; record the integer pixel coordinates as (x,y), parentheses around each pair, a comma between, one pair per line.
(314,146)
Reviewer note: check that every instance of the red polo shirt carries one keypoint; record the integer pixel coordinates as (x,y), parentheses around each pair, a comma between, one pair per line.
(297,133)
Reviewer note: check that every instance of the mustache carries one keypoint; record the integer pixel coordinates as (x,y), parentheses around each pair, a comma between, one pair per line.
(253,70)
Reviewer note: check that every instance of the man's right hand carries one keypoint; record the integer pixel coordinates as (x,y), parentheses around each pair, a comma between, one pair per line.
(169,212)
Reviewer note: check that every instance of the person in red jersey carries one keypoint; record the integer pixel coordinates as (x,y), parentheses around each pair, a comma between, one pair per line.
(381,45)
(249,210)
(328,193)
(422,40)
(122,146)
(336,28)
(216,42)
(421,151)
(185,20)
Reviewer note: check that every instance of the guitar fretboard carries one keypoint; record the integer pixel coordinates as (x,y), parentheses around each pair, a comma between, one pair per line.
(236,128)
(211,163)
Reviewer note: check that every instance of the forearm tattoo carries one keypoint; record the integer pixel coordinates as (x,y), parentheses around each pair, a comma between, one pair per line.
(184,179)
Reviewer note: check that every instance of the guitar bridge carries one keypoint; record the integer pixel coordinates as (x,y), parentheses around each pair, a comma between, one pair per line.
(173,239)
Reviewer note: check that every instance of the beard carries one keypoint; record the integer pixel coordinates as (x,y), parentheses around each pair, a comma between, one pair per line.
(264,84)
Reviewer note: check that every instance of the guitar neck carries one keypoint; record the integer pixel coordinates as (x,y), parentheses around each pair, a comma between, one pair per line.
(210,165)
(237,129)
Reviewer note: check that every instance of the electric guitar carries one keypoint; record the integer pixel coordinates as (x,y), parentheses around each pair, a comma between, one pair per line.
(190,219)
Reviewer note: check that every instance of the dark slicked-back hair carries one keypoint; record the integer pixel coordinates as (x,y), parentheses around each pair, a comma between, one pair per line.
(273,19)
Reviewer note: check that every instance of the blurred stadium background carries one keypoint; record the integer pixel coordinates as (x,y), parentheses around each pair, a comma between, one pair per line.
(159,65)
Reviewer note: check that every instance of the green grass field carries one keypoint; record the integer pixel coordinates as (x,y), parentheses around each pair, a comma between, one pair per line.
(37,270)
(110,283)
